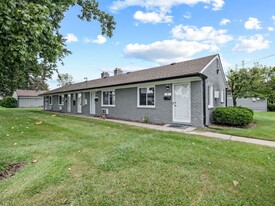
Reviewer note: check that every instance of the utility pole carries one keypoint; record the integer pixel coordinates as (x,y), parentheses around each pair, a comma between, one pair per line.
(243,63)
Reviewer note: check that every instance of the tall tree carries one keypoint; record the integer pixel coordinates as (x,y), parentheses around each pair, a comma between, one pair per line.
(247,82)
(269,89)
(64,79)
(37,83)
(237,83)
(31,43)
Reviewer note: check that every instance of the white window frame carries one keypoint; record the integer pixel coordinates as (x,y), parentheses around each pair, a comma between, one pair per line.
(50,100)
(146,106)
(62,98)
(222,96)
(210,96)
(108,105)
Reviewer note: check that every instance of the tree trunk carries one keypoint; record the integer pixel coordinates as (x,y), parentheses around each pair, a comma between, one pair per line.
(11,84)
(234,101)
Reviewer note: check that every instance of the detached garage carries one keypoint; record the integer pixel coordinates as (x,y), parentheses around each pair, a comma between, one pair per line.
(28,98)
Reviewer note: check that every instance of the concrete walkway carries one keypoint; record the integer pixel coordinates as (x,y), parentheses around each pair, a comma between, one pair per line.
(191,130)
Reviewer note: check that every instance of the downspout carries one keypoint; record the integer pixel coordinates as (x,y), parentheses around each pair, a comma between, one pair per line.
(226,97)
(203,77)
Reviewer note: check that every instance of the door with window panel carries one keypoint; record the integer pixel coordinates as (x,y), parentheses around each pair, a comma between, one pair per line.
(182,103)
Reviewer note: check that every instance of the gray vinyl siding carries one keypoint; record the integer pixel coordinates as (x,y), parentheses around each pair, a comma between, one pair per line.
(126,106)
(196,104)
(86,108)
(30,101)
(218,80)
(47,105)
(56,107)
(258,105)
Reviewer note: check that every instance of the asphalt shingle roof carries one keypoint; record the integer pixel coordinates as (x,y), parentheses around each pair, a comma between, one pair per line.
(181,69)
(29,93)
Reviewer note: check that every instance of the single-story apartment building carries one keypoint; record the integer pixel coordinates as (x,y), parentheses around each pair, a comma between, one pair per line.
(179,93)
(28,98)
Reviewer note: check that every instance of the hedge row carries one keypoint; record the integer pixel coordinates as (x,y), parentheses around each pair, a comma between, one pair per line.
(8,102)
(271,107)
(232,116)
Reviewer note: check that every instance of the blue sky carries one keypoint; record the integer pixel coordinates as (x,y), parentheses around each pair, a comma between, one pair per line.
(158,32)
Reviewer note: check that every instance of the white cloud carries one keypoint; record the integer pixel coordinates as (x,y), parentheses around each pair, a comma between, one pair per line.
(251,44)
(167,51)
(218,4)
(270,28)
(225,22)
(153,17)
(187,15)
(70,37)
(163,4)
(207,34)
(252,23)
(273,18)
(99,40)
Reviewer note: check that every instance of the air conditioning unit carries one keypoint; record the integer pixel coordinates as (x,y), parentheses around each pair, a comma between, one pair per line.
(105,111)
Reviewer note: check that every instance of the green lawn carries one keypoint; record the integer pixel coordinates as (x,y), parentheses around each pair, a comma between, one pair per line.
(114,164)
(264,128)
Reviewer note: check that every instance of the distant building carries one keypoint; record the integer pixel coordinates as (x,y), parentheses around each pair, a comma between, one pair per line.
(28,98)
(256,104)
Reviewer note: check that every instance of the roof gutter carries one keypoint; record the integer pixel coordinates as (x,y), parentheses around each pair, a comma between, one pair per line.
(138,82)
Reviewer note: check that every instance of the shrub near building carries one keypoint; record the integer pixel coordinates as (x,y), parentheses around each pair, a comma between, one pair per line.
(9,102)
(232,116)
(271,107)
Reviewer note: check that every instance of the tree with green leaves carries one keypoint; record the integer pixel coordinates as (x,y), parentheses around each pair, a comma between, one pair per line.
(31,44)
(247,82)
(64,80)
(269,86)
(37,83)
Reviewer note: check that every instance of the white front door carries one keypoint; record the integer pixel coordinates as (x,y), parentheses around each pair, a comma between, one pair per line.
(79,105)
(182,103)
(69,102)
(92,103)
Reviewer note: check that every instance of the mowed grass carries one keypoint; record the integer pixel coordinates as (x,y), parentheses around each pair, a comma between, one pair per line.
(264,128)
(91,162)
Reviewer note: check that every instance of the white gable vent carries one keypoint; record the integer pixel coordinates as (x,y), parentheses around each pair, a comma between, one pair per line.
(105,111)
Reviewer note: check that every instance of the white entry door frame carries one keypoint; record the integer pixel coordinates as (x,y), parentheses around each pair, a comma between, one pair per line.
(69,102)
(182,103)
(92,103)
(79,103)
